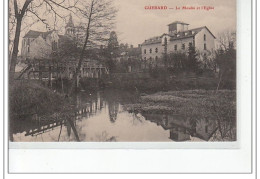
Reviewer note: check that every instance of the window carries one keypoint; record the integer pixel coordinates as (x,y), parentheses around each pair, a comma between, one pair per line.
(28,41)
(151,50)
(144,58)
(156,58)
(183,47)
(150,58)
(156,50)
(28,49)
(190,44)
(204,37)
(144,51)
(205,46)
(175,47)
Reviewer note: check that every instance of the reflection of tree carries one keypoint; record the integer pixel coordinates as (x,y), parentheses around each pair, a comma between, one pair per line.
(11,132)
(104,137)
(113,99)
(137,118)
(74,129)
(68,128)
(113,107)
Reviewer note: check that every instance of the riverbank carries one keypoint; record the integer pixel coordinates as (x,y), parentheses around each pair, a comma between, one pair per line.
(159,80)
(28,98)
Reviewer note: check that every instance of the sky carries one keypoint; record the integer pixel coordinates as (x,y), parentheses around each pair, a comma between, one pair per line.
(134,24)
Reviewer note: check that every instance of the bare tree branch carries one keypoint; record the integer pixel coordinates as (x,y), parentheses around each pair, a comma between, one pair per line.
(39,18)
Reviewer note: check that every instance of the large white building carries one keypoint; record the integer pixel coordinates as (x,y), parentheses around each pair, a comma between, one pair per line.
(178,39)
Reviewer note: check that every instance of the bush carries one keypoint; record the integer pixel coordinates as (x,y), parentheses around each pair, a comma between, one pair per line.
(27,97)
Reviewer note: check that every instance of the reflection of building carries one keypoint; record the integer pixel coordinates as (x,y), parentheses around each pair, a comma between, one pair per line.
(179,134)
(205,129)
(178,39)
(182,128)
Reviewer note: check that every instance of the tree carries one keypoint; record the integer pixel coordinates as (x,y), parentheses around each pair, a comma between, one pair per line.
(113,46)
(30,7)
(98,20)
(19,14)
(67,48)
(177,60)
(225,59)
(226,40)
(165,59)
(192,63)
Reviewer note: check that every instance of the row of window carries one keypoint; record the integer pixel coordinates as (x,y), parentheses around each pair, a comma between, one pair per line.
(183,47)
(151,50)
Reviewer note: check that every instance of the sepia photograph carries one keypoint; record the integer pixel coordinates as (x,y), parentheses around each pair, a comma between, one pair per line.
(122,71)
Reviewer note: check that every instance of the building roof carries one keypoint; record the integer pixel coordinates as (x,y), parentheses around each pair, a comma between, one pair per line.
(177,36)
(178,22)
(185,34)
(35,34)
(188,33)
(153,40)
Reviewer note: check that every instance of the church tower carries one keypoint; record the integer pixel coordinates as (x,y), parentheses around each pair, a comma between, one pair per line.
(70,29)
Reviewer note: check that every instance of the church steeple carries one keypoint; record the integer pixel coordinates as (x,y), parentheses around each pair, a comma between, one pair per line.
(70,22)
(70,27)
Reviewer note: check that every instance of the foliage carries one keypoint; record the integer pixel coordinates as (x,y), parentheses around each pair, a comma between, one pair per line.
(184,61)
(29,98)
(113,46)
(192,59)
(226,61)
(177,60)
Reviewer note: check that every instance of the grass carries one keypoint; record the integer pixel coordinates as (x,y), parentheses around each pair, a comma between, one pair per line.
(182,101)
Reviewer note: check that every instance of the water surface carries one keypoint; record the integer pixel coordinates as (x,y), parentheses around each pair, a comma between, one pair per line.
(101,117)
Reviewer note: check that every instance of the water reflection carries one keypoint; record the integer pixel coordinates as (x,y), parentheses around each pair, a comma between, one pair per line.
(183,128)
(100,117)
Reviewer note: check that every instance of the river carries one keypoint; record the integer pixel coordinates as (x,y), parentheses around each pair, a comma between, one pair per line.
(102,117)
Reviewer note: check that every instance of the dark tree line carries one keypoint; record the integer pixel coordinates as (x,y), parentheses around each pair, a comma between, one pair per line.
(185,61)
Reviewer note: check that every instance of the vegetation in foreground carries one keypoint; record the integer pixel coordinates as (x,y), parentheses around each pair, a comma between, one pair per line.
(219,106)
(28,98)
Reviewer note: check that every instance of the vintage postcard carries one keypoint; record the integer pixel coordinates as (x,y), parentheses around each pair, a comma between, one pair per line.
(122,71)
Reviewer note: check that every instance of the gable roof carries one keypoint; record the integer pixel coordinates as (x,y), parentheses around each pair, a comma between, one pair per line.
(35,34)
(177,36)
(153,40)
(188,33)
